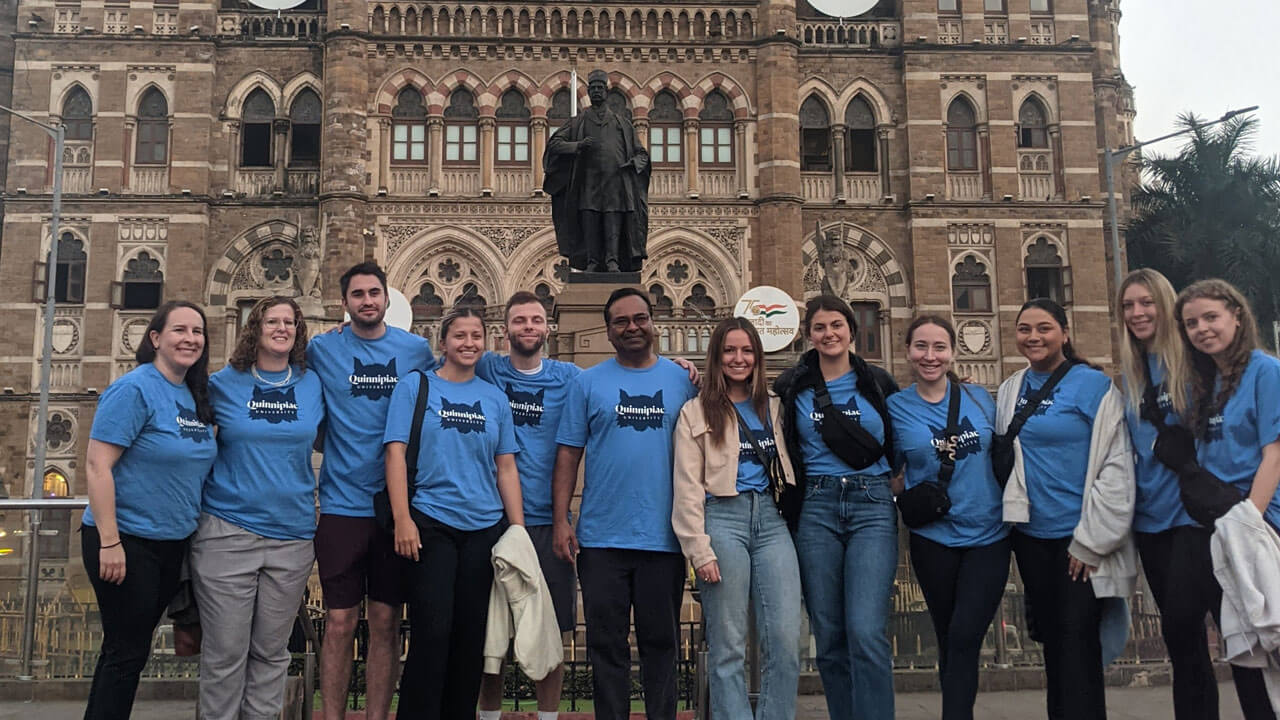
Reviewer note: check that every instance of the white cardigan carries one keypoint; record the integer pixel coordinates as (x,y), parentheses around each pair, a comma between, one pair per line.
(520,607)
(1103,538)
(1246,563)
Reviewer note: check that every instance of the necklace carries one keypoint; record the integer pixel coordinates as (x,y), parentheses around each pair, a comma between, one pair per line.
(287,377)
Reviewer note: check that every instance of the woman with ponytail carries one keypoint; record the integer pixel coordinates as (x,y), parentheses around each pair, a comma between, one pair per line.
(962,558)
(1173,547)
(1070,498)
(149,451)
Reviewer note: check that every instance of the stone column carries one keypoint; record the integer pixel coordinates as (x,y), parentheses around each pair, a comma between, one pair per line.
(233,153)
(776,258)
(882,160)
(435,153)
(984,158)
(691,157)
(538,145)
(740,157)
(384,156)
(487,152)
(1059,172)
(837,161)
(279,152)
(342,165)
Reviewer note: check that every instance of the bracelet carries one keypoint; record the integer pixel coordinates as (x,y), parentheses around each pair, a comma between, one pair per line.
(114,544)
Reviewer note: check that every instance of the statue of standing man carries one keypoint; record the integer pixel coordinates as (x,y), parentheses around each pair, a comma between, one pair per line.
(597,174)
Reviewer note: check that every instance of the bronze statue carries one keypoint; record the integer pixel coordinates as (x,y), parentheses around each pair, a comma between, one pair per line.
(597,174)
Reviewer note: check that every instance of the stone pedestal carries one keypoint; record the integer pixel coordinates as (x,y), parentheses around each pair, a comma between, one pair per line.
(582,337)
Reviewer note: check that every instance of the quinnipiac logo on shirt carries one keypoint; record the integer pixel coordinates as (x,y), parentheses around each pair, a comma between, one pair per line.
(850,410)
(373,380)
(526,407)
(189,424)
(968,441)
(274,406)
(640,412)
(1214,431)
(1045,404)
(461,417)
(747,451)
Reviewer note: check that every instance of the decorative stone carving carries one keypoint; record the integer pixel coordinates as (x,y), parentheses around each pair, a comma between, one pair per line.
(66,336)
(306,264)
(131,335)
(505,238)
(974,337)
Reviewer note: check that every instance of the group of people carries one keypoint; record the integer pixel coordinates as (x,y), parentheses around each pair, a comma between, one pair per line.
(776,495)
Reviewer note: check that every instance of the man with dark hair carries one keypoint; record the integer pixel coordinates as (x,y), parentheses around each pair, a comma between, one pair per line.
(622,413)
(597,174)
(359,370)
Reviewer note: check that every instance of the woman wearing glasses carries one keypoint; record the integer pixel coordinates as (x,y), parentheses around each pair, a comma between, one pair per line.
(253,550)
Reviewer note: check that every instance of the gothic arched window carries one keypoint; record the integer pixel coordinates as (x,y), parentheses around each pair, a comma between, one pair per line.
(665,120)
(1033,125)
(69,285)
(715,131)
(1046,275)
(971,286)
(859,136)
(255,133)
(305,116)
(962,136)
(142,283)
(152,147)
(461,129)
(77,115)
(409,128)
(815,135)
(513,129)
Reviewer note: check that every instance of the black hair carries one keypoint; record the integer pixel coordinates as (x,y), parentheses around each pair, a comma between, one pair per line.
(368,267)
(623,292)
(1059,316)
(830,303)
(460,311)
(197,376)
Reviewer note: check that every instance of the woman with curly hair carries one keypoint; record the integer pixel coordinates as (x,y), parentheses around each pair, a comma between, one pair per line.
(150,448)
(252,553)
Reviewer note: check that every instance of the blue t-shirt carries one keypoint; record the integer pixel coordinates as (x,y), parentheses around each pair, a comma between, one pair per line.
(976,516)
(167,453)
(358,376)
(625,417)
(818,458)
(262,480)
(536,401)
(751,475)
(1232,448)
(1159,502)
(464,427)
(1055,448)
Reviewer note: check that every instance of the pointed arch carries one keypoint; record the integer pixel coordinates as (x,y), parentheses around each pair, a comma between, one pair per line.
(450,81)
(557,81)
(826,94)
(667,80)
(297,84)
(218,284)
(511,79)
(390,88)
(871,93)
(731,88)
(234,105)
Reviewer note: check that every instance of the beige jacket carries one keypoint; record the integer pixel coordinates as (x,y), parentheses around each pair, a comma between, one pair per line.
(1103,537)
(520,607)
(702,468)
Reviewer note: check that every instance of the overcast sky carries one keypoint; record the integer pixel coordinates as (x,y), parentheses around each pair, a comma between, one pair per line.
(1206,57)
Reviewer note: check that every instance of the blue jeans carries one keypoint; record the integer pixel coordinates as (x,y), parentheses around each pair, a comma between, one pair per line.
(847,543)
(758,563)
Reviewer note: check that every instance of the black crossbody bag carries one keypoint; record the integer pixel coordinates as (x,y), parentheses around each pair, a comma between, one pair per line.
(381,499)
(850,442)
(772,465)
(1002,444)
(929,501)
(1205,496)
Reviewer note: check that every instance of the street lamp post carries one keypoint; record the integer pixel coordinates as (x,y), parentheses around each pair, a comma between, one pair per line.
(1109,158)
(58,133)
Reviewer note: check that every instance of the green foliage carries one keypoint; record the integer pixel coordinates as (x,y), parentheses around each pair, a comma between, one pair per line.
(1212,210)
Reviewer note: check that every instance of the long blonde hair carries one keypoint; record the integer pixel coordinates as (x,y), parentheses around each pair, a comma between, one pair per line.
(1167,344)
(1204,369)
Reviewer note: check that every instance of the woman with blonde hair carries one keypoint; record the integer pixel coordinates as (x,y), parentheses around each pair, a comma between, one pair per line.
(1234,416)
(252,552)
(731,464)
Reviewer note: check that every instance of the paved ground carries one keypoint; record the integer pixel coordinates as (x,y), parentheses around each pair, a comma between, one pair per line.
(1122,704)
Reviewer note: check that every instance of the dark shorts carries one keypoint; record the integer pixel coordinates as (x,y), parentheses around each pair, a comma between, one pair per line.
(560,576)
(355,558)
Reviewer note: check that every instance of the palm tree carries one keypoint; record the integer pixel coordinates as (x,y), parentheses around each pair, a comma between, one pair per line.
(1212,210)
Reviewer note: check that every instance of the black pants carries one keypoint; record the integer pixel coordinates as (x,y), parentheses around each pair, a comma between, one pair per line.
(1179,570)
(1066,615)
(962,587)
(130,612)
(602,232)
(448,590)
(615,583)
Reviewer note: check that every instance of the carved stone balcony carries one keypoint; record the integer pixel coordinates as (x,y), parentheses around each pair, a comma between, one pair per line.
(964,185)
(860,35)
(1035,175)
(1042,32)
(537,22)
(862,188)
(77,180)
(149,180)
(668,184)
(255,182)
(272,26)
(818,186)
(460,182)
(304,181)
(995,32)
(414,181)
(513,181)
(717,183)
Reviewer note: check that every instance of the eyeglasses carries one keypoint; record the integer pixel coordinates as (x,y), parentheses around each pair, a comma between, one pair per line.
(622,322)
(274,323)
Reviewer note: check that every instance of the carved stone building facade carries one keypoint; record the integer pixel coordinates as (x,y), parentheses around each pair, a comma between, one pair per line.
(221,153)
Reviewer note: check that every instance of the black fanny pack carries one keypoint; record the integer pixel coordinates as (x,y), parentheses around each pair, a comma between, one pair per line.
(847,439)
(929,501)
(1002,443)
(1205,496)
